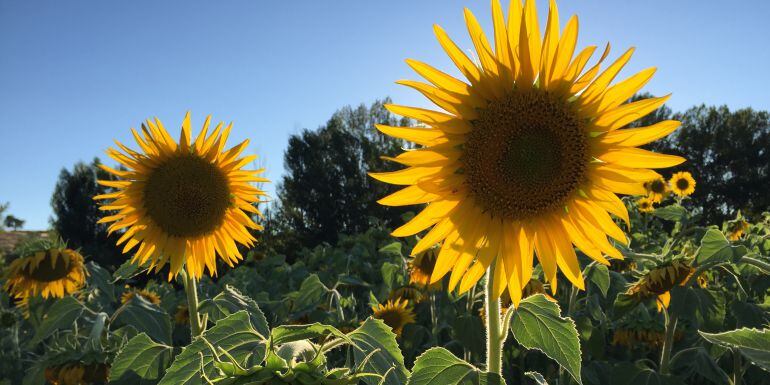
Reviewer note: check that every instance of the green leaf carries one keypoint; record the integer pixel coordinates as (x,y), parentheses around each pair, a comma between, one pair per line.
(715,248)
(289,333)
(697,362)
(537,377)
(754,344)
(100,278)
(705,308)
(537,324)
(233,334)
(438,366)
(128,270)
(392,249)
(141,361)
(310,294)
(629,374)
(392,275)
(674,213)
(145,317)
(375,340)
(230,301)
(62,314)
(600,276)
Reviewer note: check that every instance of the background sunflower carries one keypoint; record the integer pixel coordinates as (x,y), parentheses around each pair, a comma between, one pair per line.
(682,183)
(49,272)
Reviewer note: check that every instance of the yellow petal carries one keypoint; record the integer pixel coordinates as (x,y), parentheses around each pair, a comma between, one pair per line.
(633,137)
(421,136)
(639,158)
(433,213)
(627,113)
(444,122)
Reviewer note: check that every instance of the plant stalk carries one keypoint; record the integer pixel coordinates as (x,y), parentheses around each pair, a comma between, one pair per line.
(494,339)
(191,288)
(668,341)
(737,367)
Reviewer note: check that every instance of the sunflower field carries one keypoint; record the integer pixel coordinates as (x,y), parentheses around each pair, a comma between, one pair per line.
(526,231)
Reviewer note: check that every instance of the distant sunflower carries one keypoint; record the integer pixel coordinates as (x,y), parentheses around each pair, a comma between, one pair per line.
(657,189)
(527,156)
(150,296)
(736,229)
(421,269)
(658,282)
(409,293)
(183,203)
(682,183)
(645,205)
(76,373)
(395,314)
(54,272)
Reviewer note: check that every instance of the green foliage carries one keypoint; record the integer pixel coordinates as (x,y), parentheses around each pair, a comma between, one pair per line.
(141,361)
(752,343)
(438,366)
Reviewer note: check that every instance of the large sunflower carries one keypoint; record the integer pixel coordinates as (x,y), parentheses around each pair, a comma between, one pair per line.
(395,314)
(183,203)
(53,272)
(527,156)
(682,183)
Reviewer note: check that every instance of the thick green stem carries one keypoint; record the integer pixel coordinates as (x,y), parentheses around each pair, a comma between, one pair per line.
(191,287)
(494,340)
(668,341)
(762,265)
(737,367)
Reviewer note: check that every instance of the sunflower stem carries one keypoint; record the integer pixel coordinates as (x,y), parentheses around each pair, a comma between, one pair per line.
(494,339)
(191,288)
(668,341)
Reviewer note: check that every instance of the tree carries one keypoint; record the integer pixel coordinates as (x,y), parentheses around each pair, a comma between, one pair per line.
(12,222)
(76,213)
(326,190)
(3,209)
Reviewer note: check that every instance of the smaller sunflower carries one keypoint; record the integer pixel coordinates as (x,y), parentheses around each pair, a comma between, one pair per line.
(53,272)
(182,315)
(76,373)
(645,205)
(657,189)
(395,314)
(409,293)
(682,183)
(150,296)
(421,269)
(658,282)
(736,229)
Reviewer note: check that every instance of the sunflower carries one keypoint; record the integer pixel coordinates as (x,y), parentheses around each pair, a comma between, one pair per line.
(645,204)
(53,272)
(736,229)
(658,282)
(421,269)
(409,293)
(182,315)
(657,189)
(682,183)
(182,203)
(150,296)
(76,373)
(527,156)
(395,314)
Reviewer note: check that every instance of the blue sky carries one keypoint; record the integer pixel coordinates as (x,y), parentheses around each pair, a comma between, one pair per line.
(74,75)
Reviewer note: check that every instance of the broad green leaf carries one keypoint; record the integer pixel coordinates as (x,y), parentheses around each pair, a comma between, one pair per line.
(715,248)
(674,213)
(62,314)
(624,303)
(703,307)
(697,362)
(128,270)
(537,324)
(101,279)
(230,301)
(393,249)
(629,374)
(145,317)
(600,276)
(392,275)
(375,340)
(233,334)
(754,344)
(141,361)
(288,333)
(438,366)
(310,294)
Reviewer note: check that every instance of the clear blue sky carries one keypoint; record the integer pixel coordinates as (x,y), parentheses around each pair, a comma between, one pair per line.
(74,75)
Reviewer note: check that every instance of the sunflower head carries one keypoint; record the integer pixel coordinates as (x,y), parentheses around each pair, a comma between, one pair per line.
(182,203)
(526,156)
(182,315)
(645,204)
(736,229)
(657,189)
(622,265)
(149,295)
(421,269)
(76,373)
(395,313)
(659,281)
(52,272)
(682,183)
(409,293)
